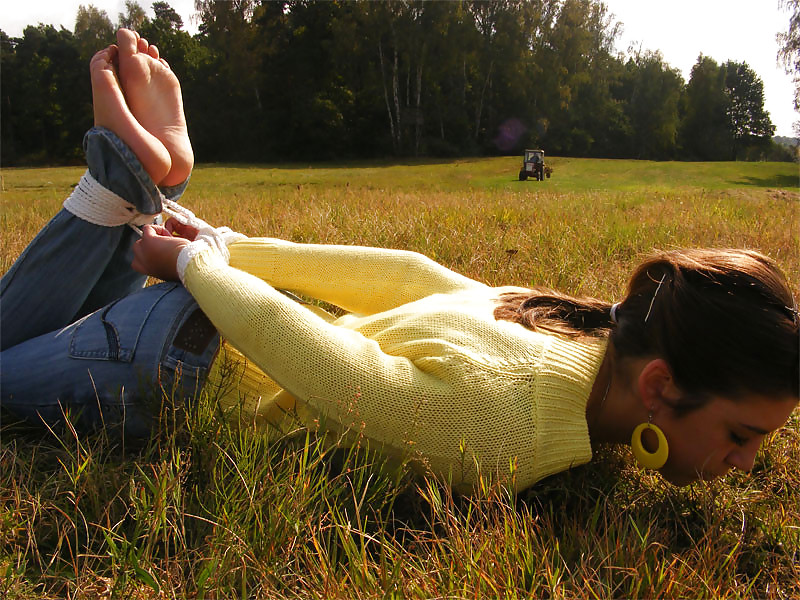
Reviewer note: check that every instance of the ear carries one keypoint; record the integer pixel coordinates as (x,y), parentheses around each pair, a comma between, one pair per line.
(657,387)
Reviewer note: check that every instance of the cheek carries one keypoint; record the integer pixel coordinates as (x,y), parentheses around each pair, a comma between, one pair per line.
(696,451)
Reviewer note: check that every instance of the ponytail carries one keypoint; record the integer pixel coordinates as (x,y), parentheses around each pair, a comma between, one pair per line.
(556,312)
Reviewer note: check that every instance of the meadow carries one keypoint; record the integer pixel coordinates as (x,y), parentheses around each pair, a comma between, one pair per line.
(206,509)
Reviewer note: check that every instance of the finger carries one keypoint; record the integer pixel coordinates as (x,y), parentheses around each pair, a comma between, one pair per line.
(180,229)
(147,231)
(175,227)
(162,231)
(137,264)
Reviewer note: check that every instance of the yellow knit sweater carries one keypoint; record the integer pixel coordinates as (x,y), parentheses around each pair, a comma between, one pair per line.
(418,365)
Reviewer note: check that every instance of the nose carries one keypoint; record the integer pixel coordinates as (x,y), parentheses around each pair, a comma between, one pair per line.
(742,458)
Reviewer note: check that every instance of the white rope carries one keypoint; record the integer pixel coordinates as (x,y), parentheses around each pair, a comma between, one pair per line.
(96,204)
(219,237)
(208,236)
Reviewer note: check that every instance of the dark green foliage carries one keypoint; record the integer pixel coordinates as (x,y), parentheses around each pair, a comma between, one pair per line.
(93,30)
(705,134)
(724,113)
(311,80)
(46,96)
(653,93)
(749,123)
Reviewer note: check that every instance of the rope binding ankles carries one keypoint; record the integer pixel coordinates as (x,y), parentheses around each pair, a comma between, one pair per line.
(98,205)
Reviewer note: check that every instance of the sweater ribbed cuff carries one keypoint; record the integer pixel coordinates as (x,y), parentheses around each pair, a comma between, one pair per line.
(211,239)
(188,254)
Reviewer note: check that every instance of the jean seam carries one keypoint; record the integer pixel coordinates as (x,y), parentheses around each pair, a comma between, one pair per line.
(128,159)
(132,163)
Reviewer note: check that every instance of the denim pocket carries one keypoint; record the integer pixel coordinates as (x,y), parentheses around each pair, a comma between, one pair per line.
(112,333)
(185,360)
(174,371)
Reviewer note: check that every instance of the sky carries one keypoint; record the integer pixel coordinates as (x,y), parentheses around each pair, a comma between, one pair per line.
(739,30)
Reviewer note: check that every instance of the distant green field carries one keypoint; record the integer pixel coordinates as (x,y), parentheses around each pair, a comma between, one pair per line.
(570,175)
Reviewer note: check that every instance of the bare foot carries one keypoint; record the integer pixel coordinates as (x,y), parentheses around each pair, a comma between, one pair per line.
(154,96)
(111,111)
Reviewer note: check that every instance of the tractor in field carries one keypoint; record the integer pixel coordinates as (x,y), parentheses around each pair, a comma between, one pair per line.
(533,165)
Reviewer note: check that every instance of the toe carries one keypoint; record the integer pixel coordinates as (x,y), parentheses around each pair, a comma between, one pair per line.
(142,45)
(101,57)
(164,62)
(153,51)
(126,42)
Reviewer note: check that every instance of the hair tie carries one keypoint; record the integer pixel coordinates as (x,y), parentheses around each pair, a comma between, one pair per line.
(613,312)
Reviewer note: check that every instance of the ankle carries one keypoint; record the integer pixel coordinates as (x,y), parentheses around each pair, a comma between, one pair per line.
(98,205)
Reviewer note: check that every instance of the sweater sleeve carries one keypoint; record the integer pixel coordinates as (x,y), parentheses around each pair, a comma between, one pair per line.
(358,279)
(338,371)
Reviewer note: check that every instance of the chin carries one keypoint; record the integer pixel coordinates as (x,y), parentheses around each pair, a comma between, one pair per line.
(682,480)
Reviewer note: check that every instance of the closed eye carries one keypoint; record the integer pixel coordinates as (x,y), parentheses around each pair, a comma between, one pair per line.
(737,439)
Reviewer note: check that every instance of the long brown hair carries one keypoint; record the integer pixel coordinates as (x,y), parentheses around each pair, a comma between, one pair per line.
(724,320)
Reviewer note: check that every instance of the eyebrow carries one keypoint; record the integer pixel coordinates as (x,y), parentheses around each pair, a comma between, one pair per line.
(755,429)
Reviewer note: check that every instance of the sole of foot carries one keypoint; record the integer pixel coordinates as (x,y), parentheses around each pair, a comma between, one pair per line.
(111,111)
(154,96)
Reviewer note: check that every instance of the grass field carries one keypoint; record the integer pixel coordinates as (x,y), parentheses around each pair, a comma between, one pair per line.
(208,510)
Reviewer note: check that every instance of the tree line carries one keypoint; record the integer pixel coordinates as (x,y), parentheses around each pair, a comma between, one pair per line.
(311,80)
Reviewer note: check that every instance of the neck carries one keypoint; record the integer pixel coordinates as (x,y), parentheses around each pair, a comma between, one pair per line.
(613,407)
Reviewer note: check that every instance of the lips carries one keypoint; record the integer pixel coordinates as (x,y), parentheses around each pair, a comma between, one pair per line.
(710,476)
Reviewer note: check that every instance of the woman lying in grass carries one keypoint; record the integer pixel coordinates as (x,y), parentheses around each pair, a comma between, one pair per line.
(692,368)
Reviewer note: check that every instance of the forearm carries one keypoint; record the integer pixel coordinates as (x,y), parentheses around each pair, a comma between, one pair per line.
(358,279)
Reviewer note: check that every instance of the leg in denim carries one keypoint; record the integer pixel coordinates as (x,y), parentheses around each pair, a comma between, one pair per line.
(73,267)
(99,364)
(113,366)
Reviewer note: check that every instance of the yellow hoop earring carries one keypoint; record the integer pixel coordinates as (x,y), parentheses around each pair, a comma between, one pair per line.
(649,460)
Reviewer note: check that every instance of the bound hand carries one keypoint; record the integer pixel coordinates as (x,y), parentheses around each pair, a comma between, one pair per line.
(156,253)
(179,229)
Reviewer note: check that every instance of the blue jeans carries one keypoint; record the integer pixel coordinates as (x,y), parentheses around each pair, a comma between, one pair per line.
(80,333)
